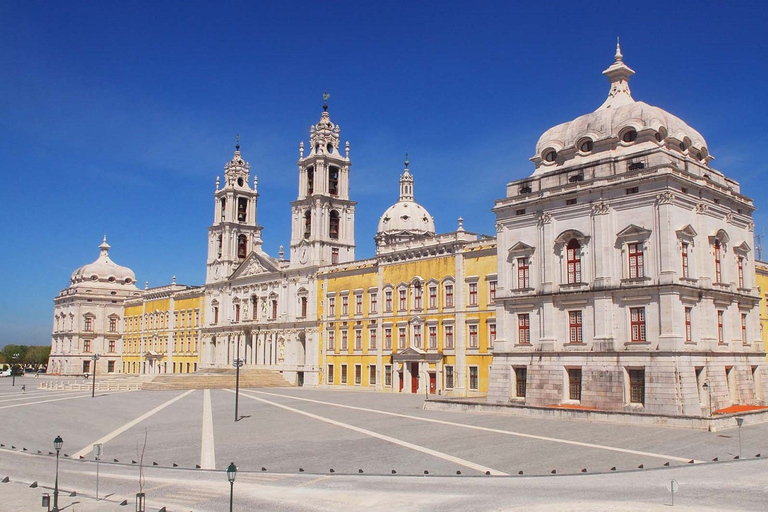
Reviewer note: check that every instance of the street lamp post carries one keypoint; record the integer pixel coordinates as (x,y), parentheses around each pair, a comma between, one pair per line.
(237,364)
(705,387)
(95,358)
(739,422)
(57,444)
(231,474)
(13,368)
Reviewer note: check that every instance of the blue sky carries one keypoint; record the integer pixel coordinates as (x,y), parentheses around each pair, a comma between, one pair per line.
(118,116)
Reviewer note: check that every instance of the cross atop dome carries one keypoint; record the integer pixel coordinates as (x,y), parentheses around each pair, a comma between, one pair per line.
(618,74)
(105,246)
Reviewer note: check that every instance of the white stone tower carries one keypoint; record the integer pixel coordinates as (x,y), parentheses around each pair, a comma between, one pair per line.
(323,217)
(235,232)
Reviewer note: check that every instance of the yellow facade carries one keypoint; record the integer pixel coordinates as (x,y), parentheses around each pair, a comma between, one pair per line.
(761,279)
(162,331)
(411,322)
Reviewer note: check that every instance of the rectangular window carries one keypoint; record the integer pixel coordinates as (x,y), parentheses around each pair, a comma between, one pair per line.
(684,254)
(331,340)
(237,312)
(636,268)
(417,296)
(432,337)
(401,337)
(358,339)
(472,335)
(448,337)
(473,378)
(388,301)
(113,322)
(388,338)
(373,298)
(740,263)
(332,306)
(574,383)
(523,274)
(86,367)
(744,328)
(473,294)
(637,386)
(449,377)
(449,295)
(343,374)
(86,345)
(111,345)
(303,307)
(720,321)
(372,375)
(433,297)
(574,327)
(388,375)
(403,300)
(88,323)
(521,376)
(573,254)
(637,324)
(492,291)
(359,304)
(110,367)
(417,336)
(358,374)
(344,340)
(345,305)
(334,255)
(274,309)
(718,268)
(491,335)
(215,315)
(372,338)
(688,326)
(524,328)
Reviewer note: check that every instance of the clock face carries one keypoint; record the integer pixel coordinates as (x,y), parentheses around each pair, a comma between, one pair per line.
(216,271)
(303,254)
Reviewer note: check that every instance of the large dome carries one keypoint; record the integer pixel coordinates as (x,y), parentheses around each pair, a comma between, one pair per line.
(617,118)
(104,270)
(406,219)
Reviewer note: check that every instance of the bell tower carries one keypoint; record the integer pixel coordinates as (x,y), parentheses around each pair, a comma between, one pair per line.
(323,216)
(235,232)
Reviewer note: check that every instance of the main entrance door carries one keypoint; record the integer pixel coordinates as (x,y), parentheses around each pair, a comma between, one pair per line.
(432,383)
(414,377)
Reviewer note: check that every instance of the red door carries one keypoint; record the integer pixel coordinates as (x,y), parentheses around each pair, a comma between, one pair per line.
(432,383)
(401,380)
(414,377)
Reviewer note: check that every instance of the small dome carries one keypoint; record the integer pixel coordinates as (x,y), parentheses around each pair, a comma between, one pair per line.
(104,270)
(618,117)
(406,218)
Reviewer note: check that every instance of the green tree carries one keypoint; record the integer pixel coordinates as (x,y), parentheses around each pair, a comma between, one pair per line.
(9,351)
(37,355)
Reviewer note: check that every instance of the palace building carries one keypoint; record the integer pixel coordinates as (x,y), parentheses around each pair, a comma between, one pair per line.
(622,277)
(626,272)
(419,316)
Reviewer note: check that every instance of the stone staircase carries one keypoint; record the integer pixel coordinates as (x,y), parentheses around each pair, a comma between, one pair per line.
(217,378)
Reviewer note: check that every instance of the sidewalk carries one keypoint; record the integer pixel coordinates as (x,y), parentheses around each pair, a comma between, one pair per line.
(19,496)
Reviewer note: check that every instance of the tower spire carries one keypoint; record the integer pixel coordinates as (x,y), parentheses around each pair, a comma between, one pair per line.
(618,74)
(406,183)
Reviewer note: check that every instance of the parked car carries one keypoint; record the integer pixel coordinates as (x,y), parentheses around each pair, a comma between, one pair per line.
(5,373)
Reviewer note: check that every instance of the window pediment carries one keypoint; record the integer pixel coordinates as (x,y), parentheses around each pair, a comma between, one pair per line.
(686,233)
(521,248)
(570,234)
(721,236)
(633,232)
(742,249)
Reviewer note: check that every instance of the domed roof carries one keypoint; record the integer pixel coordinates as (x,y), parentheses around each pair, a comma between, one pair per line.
(104,270)
(619,114)
(406,216)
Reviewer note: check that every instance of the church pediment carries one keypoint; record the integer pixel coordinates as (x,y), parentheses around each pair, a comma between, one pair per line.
(254,264)
(410,351)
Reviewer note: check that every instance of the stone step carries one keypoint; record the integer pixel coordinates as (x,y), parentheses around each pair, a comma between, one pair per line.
(217,379)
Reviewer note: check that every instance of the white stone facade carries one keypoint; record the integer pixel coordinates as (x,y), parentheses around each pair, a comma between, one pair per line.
(263,309)
(88,318)
(626,274)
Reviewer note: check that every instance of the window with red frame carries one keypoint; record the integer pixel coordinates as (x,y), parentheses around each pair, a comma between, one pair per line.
(492,291)
(574,261)
(473,294)
(636,268)
(449,295)
(473,336)
(433,337)
(637,324)
(740,264)
(720,322)
(403,304)
(574,327)
(523,274)
(433,297)
(718,268)
(684,254)
(688,325)
(524,329)
(388,301)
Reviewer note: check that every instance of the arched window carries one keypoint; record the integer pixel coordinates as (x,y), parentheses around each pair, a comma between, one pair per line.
(574,261)
(307,223)
(333,228)
(242,246)
(310,180)
(219,245)
(333,180)
(223,208)
(718,266)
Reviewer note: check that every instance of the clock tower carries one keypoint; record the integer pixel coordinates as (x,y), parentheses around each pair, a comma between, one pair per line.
(235,232)
(323,216)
